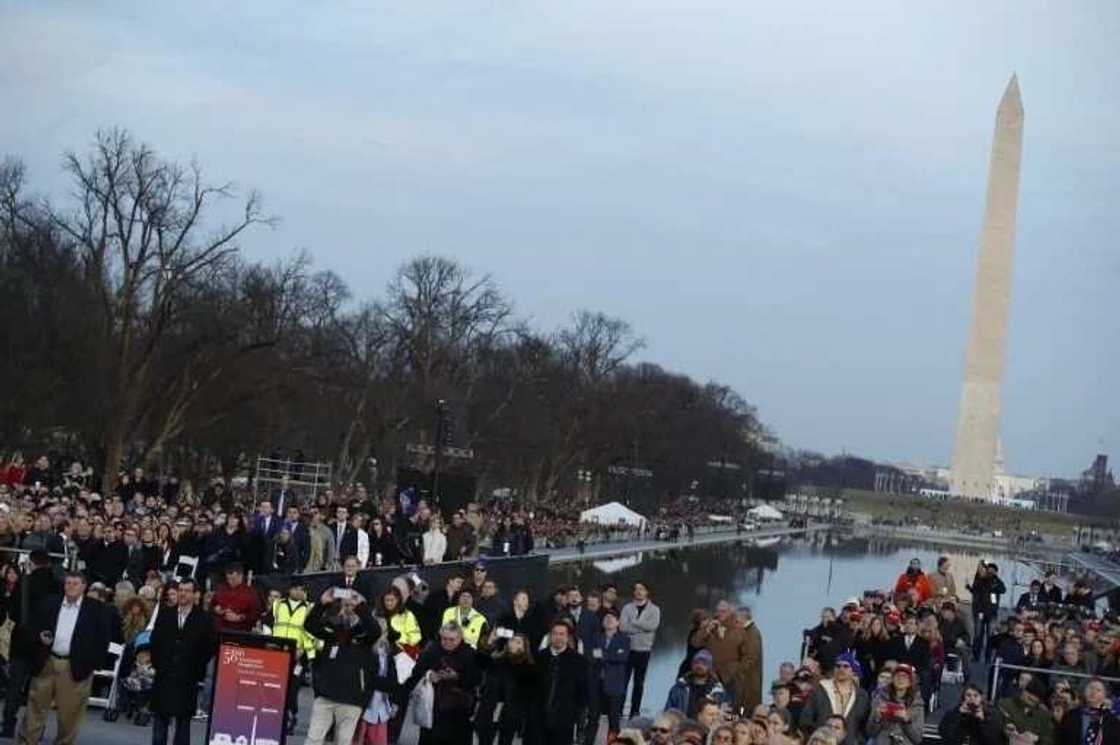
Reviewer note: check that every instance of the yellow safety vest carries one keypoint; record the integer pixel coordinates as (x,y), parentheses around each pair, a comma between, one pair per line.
(287,623)
(472,629)
(404,623)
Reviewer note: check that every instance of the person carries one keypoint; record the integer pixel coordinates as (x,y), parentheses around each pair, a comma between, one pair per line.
(281,555)
(829,638)
(954,634)
(639,620)
(321,545)
(942,584)
(897,713)
(23,646)
(840,695)
(913,577)
(522,618)
(972,722)
(1026,712)
(383,549)
(563,686)
(1091,723)
(436,603)
(181,645)
(698,618)
(380,716)
(750,681)
(663,729)
(1032,598)
(986,589)
(698,684)
(434,542)
(873,648)
(287,617)
(609,653)
(72,638)
(460,540)
(514,682)
(584,621)
(708,716)
(1051,591)
(343,535)
(471,623)
(236,605)
(451,667)
(355,542)
(727,642)
(839,727)
(340,676)
(911,648)
(401,625)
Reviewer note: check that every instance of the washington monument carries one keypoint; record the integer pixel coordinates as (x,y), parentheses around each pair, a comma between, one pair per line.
(974,455)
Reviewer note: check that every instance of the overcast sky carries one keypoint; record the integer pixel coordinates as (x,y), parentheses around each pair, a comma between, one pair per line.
(782,196)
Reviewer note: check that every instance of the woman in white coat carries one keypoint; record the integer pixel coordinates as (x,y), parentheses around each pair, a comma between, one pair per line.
(435,542)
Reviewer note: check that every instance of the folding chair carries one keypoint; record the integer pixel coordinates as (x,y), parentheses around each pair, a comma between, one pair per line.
(109,700)
(187,561)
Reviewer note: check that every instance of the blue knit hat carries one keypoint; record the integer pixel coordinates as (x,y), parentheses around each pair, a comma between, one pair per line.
(849,657)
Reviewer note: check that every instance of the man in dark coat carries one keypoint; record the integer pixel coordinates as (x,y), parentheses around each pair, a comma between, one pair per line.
(110,558)
(41,583)
(455,676)
(1092,722)
(563,686)
(182,643)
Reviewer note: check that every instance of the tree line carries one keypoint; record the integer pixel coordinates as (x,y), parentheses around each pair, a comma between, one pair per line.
(136,333)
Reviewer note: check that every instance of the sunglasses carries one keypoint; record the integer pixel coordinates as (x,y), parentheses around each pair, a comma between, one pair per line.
(842,666)
(661,730)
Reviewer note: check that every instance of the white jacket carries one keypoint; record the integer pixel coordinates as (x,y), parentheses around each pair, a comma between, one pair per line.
(435,546)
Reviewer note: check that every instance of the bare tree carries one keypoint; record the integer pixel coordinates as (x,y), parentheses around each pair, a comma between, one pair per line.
(140,223)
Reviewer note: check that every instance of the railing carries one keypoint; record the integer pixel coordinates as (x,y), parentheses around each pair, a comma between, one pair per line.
(999,666)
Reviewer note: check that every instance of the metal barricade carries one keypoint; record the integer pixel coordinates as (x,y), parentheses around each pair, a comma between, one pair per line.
(999,666)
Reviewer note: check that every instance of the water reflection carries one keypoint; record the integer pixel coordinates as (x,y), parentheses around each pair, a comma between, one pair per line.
(786,584)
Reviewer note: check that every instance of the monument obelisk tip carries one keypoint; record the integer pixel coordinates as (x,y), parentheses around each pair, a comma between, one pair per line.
(1012,101)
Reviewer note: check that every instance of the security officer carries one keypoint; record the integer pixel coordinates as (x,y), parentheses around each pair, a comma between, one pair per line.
(286,618)
(463,614)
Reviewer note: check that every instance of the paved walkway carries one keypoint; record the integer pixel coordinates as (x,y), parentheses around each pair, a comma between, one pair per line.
(609,550)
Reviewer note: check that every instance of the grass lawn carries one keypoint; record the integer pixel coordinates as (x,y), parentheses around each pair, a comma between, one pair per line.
(962,515)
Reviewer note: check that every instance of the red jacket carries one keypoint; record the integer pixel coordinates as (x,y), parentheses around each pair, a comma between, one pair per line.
(242,600)
(905,583)
(13,475)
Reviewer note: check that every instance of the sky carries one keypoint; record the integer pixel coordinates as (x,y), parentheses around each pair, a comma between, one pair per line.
(781,196)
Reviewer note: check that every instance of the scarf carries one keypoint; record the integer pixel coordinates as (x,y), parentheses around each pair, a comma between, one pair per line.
(1094,732)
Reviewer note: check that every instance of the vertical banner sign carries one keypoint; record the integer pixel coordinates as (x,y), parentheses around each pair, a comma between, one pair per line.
(251,678)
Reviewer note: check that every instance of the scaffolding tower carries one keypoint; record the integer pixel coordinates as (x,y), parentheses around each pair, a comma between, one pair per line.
(305,478)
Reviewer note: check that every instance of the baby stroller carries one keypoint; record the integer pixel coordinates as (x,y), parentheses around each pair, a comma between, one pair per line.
(136,676)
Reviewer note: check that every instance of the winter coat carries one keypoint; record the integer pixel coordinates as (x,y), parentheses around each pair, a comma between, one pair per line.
(608,662)
(730,650)
(343,671)
(823,703)
(957,729)
(180,656)
(640,627)
(687,694)
(890,731)
(1034,719)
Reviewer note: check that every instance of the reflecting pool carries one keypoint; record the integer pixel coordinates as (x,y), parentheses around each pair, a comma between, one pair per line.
(786,584)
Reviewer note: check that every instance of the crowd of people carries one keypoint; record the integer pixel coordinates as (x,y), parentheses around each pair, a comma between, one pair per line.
(473,659)
(875,668)
(163,568)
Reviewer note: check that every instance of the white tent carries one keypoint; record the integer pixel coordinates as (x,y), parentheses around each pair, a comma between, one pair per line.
(612,513)
(765,512)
